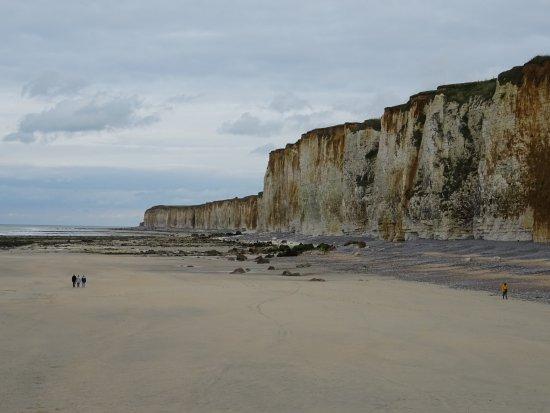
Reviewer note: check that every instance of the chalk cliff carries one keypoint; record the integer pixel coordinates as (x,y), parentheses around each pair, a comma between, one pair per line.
(323,182)
(236,213)
(465,160)
(468,160)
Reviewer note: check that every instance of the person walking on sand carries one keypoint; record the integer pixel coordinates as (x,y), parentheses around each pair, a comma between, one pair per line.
(504,290)
(73,279)
(78,281)
(83,281)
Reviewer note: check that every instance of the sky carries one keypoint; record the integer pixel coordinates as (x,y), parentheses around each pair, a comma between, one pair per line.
(110,107)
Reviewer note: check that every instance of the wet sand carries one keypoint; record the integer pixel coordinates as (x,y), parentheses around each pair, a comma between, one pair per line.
(150,334)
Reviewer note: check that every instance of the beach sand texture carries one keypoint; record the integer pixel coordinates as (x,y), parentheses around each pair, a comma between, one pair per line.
(150,334)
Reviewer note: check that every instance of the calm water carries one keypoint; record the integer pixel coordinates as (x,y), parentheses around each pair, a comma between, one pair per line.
(61,230)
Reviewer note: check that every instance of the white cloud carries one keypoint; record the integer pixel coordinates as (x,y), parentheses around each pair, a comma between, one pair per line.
(81,115)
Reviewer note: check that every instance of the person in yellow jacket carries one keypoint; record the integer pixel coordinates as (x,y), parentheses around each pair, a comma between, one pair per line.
(504,290)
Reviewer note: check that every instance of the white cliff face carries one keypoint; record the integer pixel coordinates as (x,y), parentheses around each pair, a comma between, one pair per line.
(427,180)
(237,213)
(458,162)
(321,184)
(465,160)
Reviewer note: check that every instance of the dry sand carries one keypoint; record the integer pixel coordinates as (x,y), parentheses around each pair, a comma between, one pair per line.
(150,334)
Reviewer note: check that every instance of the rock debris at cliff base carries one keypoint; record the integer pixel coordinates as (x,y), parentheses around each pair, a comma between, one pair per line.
(468,160)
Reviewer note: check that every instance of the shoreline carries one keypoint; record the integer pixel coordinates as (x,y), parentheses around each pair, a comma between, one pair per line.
(478,265)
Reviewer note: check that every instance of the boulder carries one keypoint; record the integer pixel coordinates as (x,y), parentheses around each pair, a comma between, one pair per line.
(287,273)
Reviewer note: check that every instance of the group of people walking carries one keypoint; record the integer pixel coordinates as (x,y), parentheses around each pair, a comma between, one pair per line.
(78,280)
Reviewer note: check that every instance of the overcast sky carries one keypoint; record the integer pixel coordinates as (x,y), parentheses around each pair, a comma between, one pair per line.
(109,107)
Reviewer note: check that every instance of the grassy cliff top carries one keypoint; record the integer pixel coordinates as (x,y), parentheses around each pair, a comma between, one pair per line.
(243,199)
(516,74)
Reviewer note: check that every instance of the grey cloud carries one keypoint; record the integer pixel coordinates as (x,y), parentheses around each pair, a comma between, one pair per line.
(182,98)
(313,120)
(346,44)
(287,102)
(263,150)
(370,105)
(82,115)
(50,84)
(248,124)
(19,136)
(295,123)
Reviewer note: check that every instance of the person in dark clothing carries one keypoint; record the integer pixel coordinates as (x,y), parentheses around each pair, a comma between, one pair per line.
(73,279)
(83,281)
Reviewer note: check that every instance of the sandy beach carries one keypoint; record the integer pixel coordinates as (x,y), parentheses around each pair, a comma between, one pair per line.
(153,334)
(279,207)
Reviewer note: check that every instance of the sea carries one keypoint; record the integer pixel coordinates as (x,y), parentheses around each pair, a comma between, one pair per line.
(62,230)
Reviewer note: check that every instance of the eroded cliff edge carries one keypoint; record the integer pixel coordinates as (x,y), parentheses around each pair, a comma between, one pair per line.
(465,160)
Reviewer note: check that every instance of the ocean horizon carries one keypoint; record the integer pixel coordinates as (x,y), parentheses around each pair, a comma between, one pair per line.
(44,230)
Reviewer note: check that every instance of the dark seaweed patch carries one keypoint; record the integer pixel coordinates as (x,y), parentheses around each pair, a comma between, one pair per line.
(14,242)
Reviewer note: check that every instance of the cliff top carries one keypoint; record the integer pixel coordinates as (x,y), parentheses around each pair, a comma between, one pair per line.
(330,131)
(462,92)
(373,123)
(455,92)
(516,74)
(245,198)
